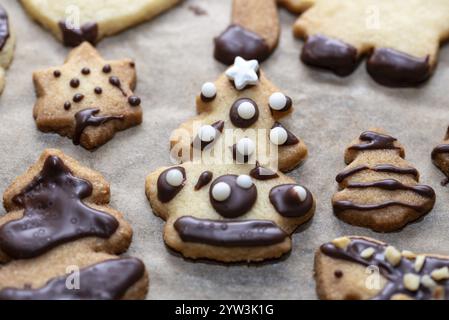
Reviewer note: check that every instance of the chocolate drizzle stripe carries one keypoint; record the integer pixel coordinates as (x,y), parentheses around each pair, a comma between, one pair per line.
(440,149)
(4,27)
(245,233)
(340,206)
(374,141)
(378,168)
(393,185)
(107,280)
(393,274)
(73,37)
(54,213)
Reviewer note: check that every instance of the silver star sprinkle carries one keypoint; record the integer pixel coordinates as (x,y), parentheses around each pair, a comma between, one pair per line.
(243,73)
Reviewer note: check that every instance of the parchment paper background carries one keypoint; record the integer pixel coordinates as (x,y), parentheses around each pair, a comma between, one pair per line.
(174,58)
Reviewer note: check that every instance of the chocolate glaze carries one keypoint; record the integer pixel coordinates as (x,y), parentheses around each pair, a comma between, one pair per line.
(335,55)
(239,202)
(107,280)
(206,99)
(86,118)
(440,149)
(378,168)
(291,138)
(245,233)
(199,144)
(74,37)
(4,27)
(115,81)
(287,107)
(54,213)
(237,120)
(204,180)
(393,275)
(165,191)
(237,41)
(286,201)
(393,68)
(393,185)
(340,206)
(261,173)
(374,141)
(237,156)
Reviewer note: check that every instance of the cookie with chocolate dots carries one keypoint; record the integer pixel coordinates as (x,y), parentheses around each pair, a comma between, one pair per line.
(60,240)
(7,43)
(87,99)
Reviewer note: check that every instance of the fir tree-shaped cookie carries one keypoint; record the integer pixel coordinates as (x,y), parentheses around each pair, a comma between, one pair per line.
(379,189)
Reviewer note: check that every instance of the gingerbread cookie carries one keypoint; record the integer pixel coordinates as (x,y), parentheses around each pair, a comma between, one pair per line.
(440,157)
(401,41)
(238,114)
(88,98)
(253,33)
(379,189)
(228,213)
(296,6)
(7,42)
(60,239)
(75,21)
(360,268)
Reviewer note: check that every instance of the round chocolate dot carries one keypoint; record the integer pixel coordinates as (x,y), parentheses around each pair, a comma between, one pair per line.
(85,71)
(107,68)
(74,83)
(132,64)
(114,81)
(78,97)
(338,273)
(134,101)
(98,90)
(57,73)
(67,105)
(244,113)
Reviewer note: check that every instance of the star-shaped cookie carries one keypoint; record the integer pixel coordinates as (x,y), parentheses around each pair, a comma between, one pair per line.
(88,98)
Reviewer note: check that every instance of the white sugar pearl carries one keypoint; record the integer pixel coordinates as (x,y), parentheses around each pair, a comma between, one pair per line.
(278,136)
(278,101)
(207,133)
(174,177)
(245,147)
(301,192)
(244,181)
(221,191)
(246,110)
(209,90)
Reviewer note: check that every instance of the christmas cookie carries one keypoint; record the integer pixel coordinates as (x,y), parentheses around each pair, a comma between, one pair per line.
(360,268)
(88,98)
(440,156)
(60,239)
(75,21)
(402,42)
(296,6)
(238,121)
(229,213)
(379,189)
(7,41)
(252,34)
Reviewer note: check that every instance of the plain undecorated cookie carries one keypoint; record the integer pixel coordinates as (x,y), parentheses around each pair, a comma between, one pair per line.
(75,21)
(58,221)
(7,43)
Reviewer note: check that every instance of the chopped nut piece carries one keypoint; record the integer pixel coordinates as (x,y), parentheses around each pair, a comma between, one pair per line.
(427,282)
(367,253)
(411,281)
(393,255)
(419,262)
(440,274)
(408,254)
(341,242)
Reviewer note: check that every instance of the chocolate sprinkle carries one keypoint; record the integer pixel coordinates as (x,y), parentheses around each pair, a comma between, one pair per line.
(56,73)
(67,105)
(134,101)
(74,83)
(107,68)
(98,90)
(85,71)
(78,97)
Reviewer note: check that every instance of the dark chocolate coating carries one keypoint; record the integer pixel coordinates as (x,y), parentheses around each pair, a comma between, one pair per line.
(287,203)
(393,68)
(393,274)
(261,173)
(335,55)
(165,191)
(4,27)
(244,233)
(291,138)
(239,202)
(237,120)
(237,41)
(199,144)
(107,280)
(204,180)
(54,213)
(74,37)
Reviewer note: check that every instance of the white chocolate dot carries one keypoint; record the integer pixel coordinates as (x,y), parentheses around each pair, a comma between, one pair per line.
(277,101)
(174,177)
(207,133)
(244,181)
(209,90)
(246,110)
(278,136)
(245,147)
(301,192)
(221,191)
